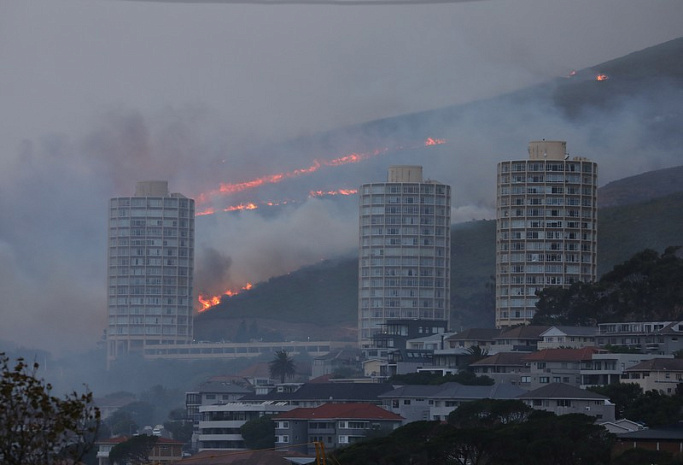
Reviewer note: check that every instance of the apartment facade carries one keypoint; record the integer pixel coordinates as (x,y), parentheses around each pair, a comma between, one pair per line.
(404,251)
(334,425)
(150,265)
(546,227)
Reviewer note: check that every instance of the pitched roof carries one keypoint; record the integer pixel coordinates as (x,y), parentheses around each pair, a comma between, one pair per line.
(561,391)
(574,330)
(562,355)
(357,411)
(475,334)
(454,390)
(502,358)
(326,391)
(659,364)
(523,332)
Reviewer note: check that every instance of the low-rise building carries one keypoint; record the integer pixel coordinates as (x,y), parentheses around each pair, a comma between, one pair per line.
(165,451)
(562,399)
(333,425)
(435,402)
(523,338)
(485,338)
(503,367)
(555,366)
(659,374)
(574,337)
(654,337)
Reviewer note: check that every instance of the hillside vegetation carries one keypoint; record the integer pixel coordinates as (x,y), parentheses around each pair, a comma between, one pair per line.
(325,294)
(636,213)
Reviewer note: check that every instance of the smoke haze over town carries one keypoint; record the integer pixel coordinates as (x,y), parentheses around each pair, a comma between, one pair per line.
(97,95)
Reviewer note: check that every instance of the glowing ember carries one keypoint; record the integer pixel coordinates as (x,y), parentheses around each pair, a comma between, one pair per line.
(337,192)
(601,77)
(242,206)
(431,141)
(208,302)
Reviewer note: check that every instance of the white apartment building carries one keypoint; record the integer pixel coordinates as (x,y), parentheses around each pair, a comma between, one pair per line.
(404,248)
(546,228)
(150,264)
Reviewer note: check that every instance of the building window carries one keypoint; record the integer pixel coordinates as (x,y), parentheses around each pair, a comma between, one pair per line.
(544,379)
(526,379)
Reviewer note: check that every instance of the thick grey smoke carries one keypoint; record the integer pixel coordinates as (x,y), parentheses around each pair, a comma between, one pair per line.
(99,95)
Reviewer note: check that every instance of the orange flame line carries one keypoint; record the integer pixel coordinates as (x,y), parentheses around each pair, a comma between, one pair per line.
(208,302)
(232,188)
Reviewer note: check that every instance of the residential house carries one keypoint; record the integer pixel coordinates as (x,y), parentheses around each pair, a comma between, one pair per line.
(404,361)
(561,399)
(435,402)
(555,366)
(485,338)
(503,367)
(519,338)
(655,337)
(219,424)
(668,439)
(609,368)
(346,359)
(214,391)
(659,374)
(165,451)
(333,425)
(575,337)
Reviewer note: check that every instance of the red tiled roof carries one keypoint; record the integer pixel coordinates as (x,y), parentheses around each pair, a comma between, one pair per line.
(340,411)
(563,355)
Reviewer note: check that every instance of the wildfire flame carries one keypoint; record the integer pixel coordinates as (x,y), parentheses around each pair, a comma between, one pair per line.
(208,302)
(601,77)
(233,188)
(337,192)
(431,141)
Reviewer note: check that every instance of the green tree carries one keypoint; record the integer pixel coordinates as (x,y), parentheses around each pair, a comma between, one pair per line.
(259,433)
(121,423)
(647,287)
(135,450)
(282,366)
(37,428)
(179,425)
(622,395)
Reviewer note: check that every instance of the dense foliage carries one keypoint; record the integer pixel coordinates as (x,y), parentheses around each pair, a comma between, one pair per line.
(259,433)
(282,366)
(648,286)
(37,427)
(488,432)
(135,450)
(651,408)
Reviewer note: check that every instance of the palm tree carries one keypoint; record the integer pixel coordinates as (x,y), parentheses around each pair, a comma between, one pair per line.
(282,365)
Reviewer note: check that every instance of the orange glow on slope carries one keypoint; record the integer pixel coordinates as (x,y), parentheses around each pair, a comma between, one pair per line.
(601,77)
(233,188)
(337,192)
(208,302)
(431,141)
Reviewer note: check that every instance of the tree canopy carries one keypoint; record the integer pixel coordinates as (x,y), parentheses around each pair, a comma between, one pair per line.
(648,286)
(500,432)
(135,450)
(282,366)
(37,428)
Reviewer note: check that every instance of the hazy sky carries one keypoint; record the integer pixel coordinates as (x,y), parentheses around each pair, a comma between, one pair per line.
(98,94)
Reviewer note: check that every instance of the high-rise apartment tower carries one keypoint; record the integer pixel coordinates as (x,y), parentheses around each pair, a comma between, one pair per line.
(546,227)
(150,269)
(405,248)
